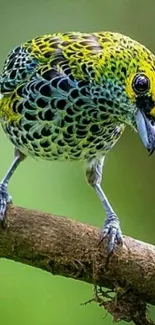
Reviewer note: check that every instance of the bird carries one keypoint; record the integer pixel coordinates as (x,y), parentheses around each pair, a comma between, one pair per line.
(69,96)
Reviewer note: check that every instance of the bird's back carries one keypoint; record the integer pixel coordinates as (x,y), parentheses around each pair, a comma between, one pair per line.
(54,103)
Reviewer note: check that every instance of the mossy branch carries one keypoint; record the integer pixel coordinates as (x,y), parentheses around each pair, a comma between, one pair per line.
(68,248)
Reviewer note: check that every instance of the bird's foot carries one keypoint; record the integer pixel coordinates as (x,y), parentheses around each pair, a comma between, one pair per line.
(5,198)
(113,229)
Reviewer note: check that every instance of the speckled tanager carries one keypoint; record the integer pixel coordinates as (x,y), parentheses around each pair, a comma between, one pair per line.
(69,96)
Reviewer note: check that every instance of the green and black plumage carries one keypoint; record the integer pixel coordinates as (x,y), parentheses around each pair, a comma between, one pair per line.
(69,96)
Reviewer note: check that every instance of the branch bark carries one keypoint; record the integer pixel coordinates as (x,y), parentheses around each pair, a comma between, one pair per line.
(69,248)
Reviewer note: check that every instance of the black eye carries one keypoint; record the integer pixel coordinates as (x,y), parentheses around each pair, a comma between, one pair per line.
(140,84)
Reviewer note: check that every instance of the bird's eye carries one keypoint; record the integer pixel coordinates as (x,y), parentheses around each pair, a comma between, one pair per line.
(140,84)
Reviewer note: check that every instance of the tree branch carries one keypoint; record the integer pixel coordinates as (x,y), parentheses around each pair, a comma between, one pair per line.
(69,248)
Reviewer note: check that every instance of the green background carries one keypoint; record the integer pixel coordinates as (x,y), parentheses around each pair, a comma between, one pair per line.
(29,296)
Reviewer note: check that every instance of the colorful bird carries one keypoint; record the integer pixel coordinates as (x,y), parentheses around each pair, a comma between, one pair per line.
(69,97)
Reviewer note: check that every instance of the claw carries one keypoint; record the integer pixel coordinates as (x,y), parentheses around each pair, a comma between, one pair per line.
(5,198)
(112,228)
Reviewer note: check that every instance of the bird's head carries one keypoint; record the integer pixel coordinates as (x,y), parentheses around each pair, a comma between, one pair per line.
(130,69)
(143,97)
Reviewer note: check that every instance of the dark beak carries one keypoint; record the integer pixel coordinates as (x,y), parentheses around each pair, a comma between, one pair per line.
(146,131)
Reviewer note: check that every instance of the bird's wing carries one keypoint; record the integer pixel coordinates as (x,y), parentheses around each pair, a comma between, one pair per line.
(51,71)
(71,53)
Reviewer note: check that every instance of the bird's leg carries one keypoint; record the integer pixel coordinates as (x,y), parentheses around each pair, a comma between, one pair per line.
(112,223)
(4,196)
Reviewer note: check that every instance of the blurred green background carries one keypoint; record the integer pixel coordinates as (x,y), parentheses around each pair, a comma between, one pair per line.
(29,296)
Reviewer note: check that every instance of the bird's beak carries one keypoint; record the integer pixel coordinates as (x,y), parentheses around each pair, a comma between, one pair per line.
(146,131)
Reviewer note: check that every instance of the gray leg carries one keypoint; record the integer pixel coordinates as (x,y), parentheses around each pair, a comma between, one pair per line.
(111,224)
(4,196)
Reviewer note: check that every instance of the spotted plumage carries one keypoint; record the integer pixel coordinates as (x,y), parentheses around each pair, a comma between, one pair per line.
(69,96)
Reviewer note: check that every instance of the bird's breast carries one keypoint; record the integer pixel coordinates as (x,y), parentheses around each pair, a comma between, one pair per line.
(65,138)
